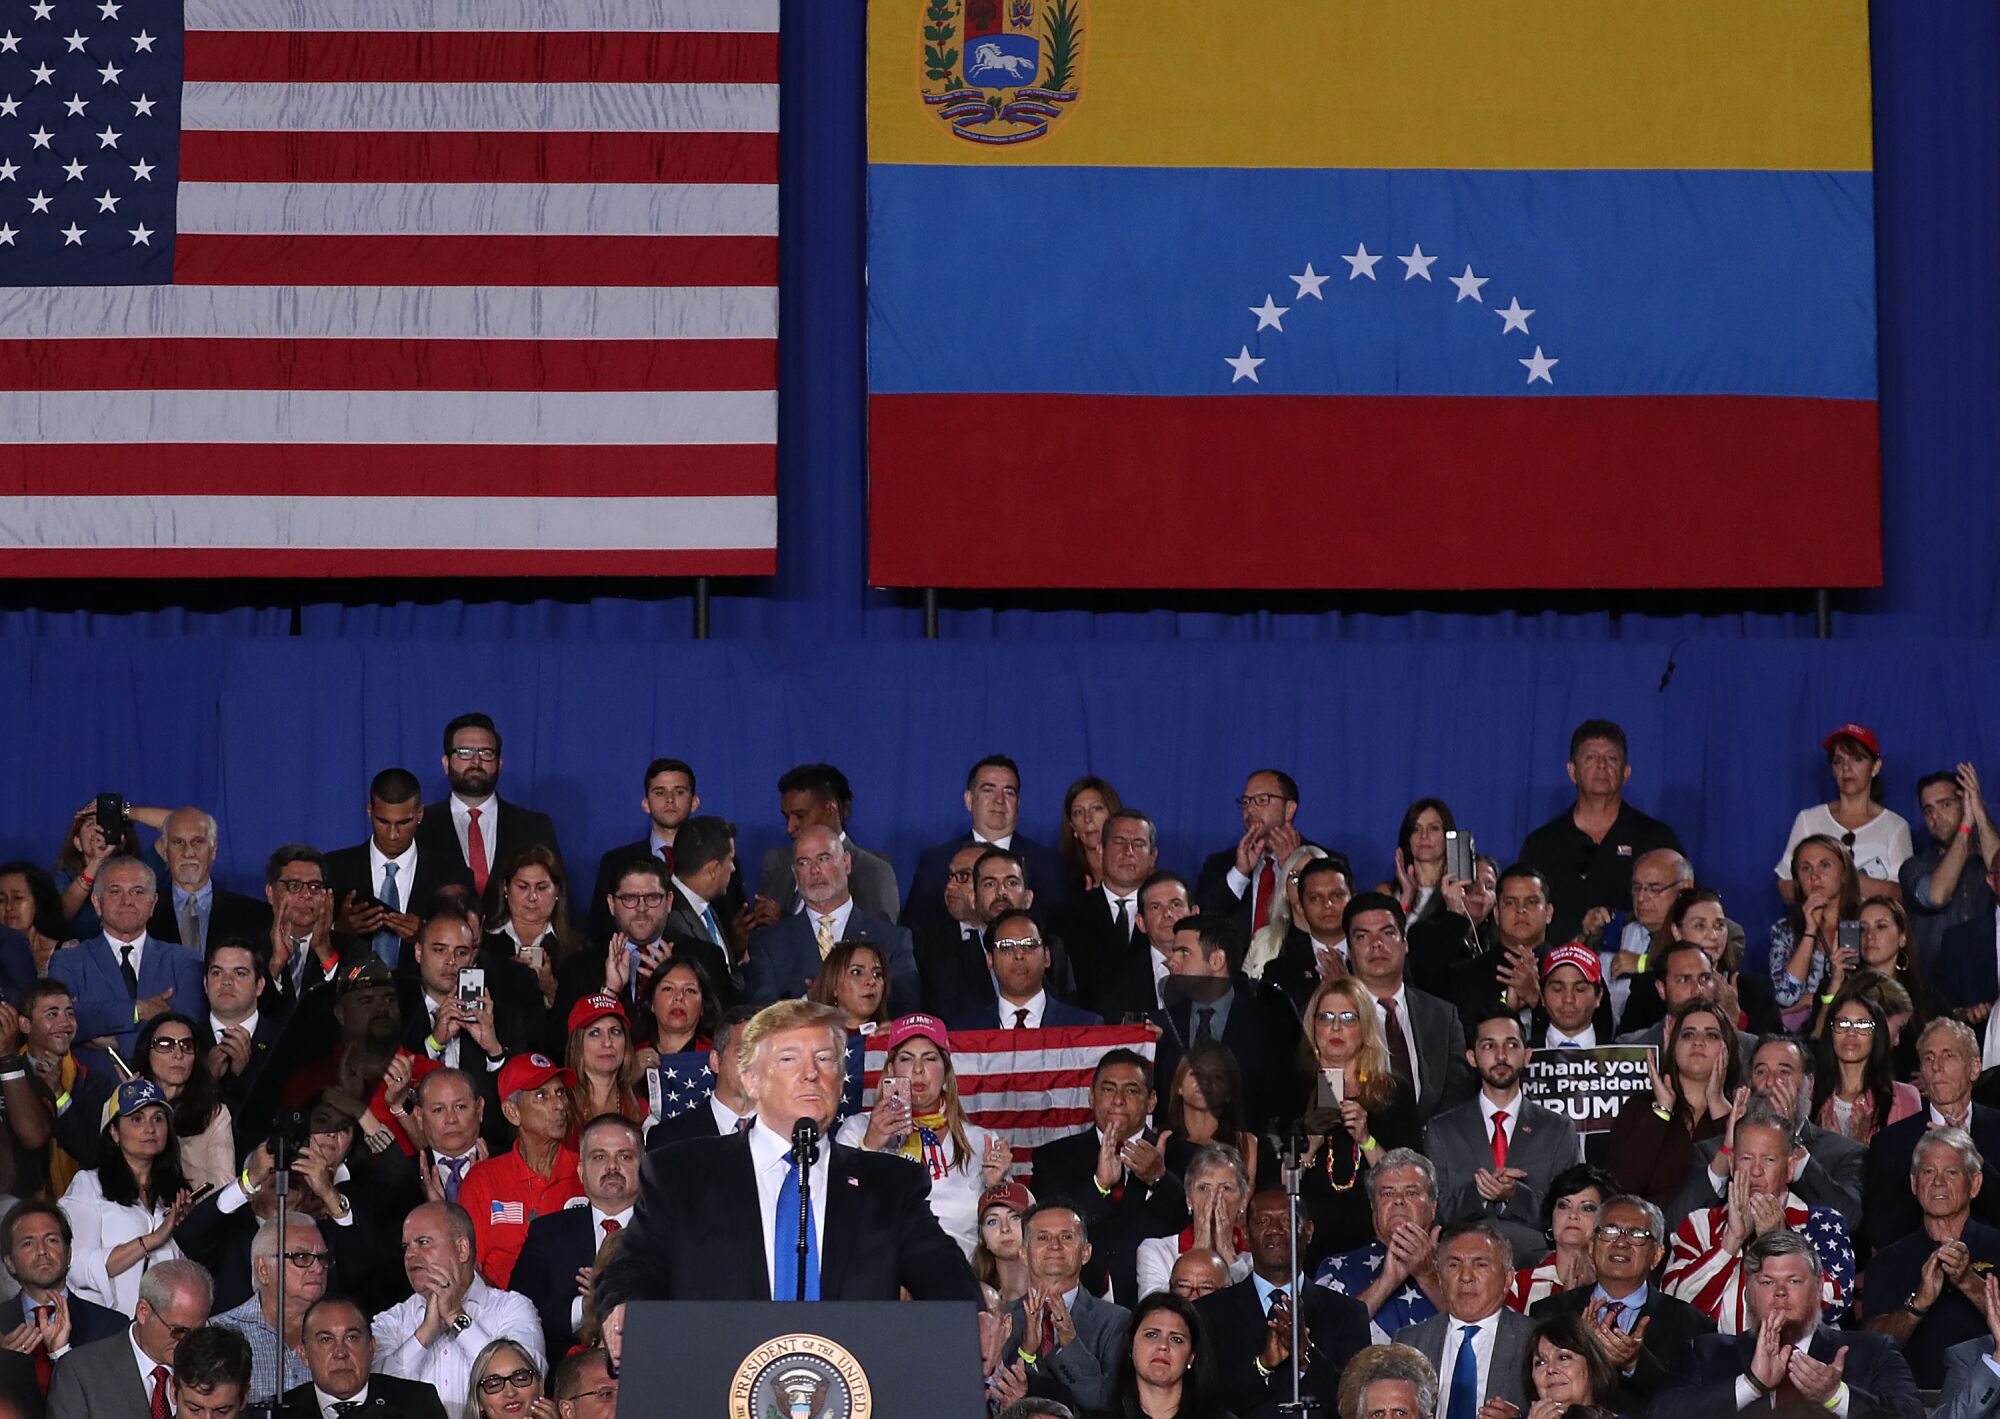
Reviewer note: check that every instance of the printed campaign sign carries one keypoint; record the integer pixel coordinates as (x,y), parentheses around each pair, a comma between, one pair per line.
(1588,1086)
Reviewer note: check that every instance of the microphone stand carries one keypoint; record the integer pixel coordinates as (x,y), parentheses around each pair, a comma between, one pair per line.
(805,1152)
(1291,1162)
(281,1180)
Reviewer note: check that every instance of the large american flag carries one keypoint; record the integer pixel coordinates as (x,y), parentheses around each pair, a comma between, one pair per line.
(356,287)
(1029,1085)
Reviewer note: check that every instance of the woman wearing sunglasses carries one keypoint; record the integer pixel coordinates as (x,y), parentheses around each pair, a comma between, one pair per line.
(166,1053)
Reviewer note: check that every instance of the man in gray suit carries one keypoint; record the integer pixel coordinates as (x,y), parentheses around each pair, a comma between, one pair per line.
(1422,1033)
(117,1378)
(1074,1337)
(818,796)
(1478,1345)
(1497,1155)
(1972,1368)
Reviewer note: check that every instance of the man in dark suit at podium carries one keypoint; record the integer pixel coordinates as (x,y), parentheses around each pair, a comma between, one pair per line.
(717,1219)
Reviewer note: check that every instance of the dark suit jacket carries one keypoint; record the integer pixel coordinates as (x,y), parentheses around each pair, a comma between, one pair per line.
(1890,1207)
(559,1244)
(221,1242)
(1671,1328)
(20,1389)
(1438,1040)
(698,1233)
(1965,971)
(88,1321)
(388,1398)
(98,1381)
(1266,1045)
(1334,1328)
(229,914)
(1510,1348)
(1832,1178)
(784,958)
(1878,1379)
(1066,1168)
(611,867)
(17,964)
(519,827)
(1097,952)
(347,870)
(1131,993)
(697,1122)
(872,880)
(1055,1016)
(1211,888)
(238,1086)
(952,969)
(1539,1142)
(1047,878)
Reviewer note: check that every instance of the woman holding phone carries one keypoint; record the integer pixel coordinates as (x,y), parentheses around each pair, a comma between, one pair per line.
(1804,940)
(1360,1110)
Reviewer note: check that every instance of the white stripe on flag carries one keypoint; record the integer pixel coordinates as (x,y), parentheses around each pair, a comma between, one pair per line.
(391,416)
(208,106)
(711,16)
(981,1100)
(1028,1059)
(441,524)
(481,209)
(391,312)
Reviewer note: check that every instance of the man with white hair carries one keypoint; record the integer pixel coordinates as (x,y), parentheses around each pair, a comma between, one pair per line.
(786,955)
(1395,1276)
(298,1263)
(1926,1291)
(130,1375)
(197,910)
(1389,1382)
(871,1232)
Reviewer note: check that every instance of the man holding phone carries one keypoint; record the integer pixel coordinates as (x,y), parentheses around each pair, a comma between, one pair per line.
(442,1021)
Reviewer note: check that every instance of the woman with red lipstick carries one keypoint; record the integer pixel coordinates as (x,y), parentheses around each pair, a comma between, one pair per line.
(1163,1372)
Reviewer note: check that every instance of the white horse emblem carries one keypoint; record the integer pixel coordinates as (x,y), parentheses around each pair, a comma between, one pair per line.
(990,57)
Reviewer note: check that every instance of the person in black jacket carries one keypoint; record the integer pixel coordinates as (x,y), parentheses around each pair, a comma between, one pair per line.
(35,1243)
(339,1349)
(562,1246)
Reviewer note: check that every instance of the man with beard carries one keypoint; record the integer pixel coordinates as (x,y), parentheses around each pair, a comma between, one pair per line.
(1786,1356)
(786,955)
(197,910)
(640,943)
(474,828)
(1706,1266)
(560,1253)
(1497,1155)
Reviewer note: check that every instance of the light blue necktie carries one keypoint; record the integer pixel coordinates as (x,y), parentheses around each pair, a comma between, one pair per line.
(785,1243)
(1465,1379)
(714,927)
(388,945)
(1568,1044)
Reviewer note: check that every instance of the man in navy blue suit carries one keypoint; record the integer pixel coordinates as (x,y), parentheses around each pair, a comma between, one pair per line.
(35,1244)
(561,1249)
(122,976)
(786,955)
(993,798)
(1018,959)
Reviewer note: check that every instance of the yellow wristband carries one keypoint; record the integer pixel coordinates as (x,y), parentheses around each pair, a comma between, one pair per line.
(432,1041)
(1264,1373)
(1368,1143)
(1102,1190)
(243,1181)
(62,1102)
(1027,1356)
(1826,1000)
(1662,1115)
(1838,1395)
(1643,958)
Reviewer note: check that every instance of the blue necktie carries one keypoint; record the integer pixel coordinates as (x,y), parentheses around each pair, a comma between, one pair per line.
(388,945)
(1465,1379)
(785,1248)
(714,927)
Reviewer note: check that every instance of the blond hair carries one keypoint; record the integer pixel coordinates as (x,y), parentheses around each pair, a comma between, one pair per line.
(785,1016)
(1374,1080)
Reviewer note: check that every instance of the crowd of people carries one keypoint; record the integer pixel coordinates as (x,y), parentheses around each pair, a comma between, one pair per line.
(470,1083)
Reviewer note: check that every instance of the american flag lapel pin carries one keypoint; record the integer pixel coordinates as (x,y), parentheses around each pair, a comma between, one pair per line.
(852,1181)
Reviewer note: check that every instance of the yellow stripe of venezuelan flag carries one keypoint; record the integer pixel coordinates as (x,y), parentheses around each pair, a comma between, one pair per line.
(1757,84)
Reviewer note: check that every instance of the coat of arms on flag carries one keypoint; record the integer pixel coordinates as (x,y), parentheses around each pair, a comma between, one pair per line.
(1002,71)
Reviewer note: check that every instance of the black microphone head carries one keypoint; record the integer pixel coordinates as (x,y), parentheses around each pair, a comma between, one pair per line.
(805,1140)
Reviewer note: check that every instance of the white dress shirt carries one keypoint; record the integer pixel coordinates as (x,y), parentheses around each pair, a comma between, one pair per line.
(1160,974)
(767,1157)
(1131,901)
(1005,842)
(448,1056)
(597,1221)
(489,827)
(1586,1038)
(118,945)
(1487,1108)
(147,1364)
(1034,1006)
(99,1227)
(1402,999)
(327,1401)
(1482,1346)
(840,914)
(217,1024)
(447,1361)
(726,1118)
(406,868)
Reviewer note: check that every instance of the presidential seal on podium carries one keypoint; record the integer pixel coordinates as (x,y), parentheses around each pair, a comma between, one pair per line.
(800,1377)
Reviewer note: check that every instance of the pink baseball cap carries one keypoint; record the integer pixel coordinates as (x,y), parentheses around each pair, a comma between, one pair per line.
(911,1026)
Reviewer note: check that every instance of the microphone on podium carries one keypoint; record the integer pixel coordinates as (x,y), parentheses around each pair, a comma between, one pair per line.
(805,1142)
(805,1152)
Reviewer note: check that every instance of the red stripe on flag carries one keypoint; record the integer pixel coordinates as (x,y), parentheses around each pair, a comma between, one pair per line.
(1008,1120)
(317,562)
(387,470)
(475,261)
(389,364)
(1382,492)
(492,57)
(479,157)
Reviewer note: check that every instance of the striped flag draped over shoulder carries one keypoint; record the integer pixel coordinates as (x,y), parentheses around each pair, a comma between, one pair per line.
(355,287)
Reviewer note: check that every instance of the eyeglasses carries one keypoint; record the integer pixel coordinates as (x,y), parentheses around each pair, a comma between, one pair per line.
(164,1044)
(520,1379)
(295,886)
(178,1332)
(1652,889)
(1863,1026)
(307,1260)
(1612,1232)
(1016,946)
(960,874)
(639,899)
(1258,800)
(603,1394)
(484,756)
(1346,1019)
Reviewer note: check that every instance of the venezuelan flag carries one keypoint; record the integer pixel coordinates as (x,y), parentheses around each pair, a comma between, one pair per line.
(1422,294)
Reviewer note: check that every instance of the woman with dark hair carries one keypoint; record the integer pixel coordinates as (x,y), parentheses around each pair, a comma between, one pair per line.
(1086,805)
(610,1079)
(1804,939)
(1569,1217)
(166,1052)
(854,979)
(1164,1371)
(1654,1136)
(1204,1104)
(530,920)
(84,849)
(31,904)
(124,1211)
(1566,1369)
(1697,917)
(1886,948)
(1855,1089)
(1877,839)
(998,1259)
(1420,859)
(680,1012)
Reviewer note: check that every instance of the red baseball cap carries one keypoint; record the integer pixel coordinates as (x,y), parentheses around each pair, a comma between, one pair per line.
(596,1007)
(1859,733)
(911,1026)
(1574,954)
(531,1071)
(1011,1195)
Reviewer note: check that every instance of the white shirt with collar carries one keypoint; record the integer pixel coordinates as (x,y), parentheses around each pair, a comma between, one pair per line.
(248,1024)
(767,1159)
(447,1056)
(489,827)
(1131,901)
(597,1220)
(726,1118)
(697,903)
(1402,999)
(137,943)
(1586,1038)
(1483,1340)
(1005,842)
(327,1401)
(1035,1005)
(447,1361)
(146,1365)
(840,914)
(1513,1107)
(406,869)
(1160,974)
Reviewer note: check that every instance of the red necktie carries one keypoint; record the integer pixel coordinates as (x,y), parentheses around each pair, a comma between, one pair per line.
(1499,1140)
(1267,886)
(161,1410)
(44,1366)
(475,848)
(1048,1345)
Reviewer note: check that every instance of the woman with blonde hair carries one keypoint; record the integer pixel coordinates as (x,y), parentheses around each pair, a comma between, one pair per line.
(1285,912)
(506,1383)
(1359,1111)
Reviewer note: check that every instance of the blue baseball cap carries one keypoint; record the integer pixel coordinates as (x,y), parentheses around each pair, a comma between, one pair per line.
(136,1094)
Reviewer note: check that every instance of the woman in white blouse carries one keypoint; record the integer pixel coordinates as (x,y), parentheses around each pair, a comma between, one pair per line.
(931,1129)
(123,1212)
(1877,838)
